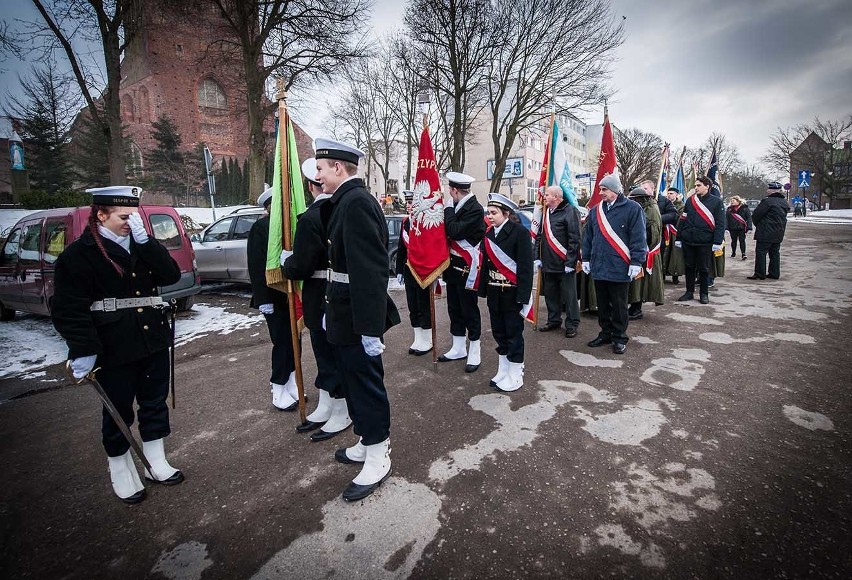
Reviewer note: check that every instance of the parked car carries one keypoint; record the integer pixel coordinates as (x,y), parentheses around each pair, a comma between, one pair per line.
(35,242)
(220,248)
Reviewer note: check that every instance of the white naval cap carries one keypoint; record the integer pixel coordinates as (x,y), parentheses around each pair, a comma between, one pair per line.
(459,180)
(331,149)
(265,196)
(309,170)
(501,201)
(121,195)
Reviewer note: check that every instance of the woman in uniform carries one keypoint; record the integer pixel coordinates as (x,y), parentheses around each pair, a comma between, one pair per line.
(507,279)
(109,313)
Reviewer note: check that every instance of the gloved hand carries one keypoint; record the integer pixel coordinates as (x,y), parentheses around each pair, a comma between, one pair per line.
(137,229)
(399,279)
(633,271)
(284,255)
(372,345)
(82,366)
(536,265)
(587,267)
(266,309)
(568,269)
(717,247)
(678,244)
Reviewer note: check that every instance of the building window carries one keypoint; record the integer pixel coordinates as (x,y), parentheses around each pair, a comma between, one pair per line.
(134,162)
(211,95)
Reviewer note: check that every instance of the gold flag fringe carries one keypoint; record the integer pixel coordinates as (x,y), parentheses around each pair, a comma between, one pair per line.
(432,277)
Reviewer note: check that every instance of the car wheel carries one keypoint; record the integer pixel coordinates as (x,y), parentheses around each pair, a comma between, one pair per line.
(185,303)
(6,314)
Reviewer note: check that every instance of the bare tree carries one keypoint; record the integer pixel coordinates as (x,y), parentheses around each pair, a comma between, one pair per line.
(10,44)
(564,64)
(405,90)
(639,155)
(302,41)
(109,25)
(456,40)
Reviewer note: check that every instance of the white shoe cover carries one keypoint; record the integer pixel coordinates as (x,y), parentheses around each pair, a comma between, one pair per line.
(280,398)
(502,368)
(155,453)
(377,464)
(323,410)
(514,379)
(357,452)
(458,350)
(473,353)
(124,477)
(339,419)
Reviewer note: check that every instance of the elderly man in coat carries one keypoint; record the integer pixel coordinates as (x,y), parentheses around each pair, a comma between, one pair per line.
(770,223)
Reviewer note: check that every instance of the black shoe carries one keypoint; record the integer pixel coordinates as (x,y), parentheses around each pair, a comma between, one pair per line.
(619,347)
(635,315)
(418,352)
(745,257)
(442,358)
(471,368)
(549,326)
(175,479)
(570,332)
(321,435)
(309,426)
(734,255)
(756,277)
(355,492)
(686,297)
(137,497)
(599,341)
(675,280)
(704,299)
(341,457)
(711,284)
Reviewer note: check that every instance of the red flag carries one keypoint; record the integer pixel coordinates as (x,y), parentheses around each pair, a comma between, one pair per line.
(428,250)
(607,162)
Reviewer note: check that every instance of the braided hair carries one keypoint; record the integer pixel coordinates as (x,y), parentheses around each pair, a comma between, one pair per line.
(93,228)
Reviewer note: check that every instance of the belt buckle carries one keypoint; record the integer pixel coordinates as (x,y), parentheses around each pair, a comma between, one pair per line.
(109,305)
(328,275)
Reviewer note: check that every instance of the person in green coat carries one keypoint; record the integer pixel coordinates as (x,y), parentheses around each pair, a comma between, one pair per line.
(585,284)
(673,258)
(649,286)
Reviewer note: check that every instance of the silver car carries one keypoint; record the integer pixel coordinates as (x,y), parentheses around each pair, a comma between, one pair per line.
(220,248)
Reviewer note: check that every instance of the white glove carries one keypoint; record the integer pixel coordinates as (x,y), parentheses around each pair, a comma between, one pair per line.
(284,255)
(82,366)
(137,229)
(323,321)
(399,279)
(266,309)
(537,265)
(717,247)
(678,244)
(633,271)
(372,345)
(568,269)
(587,267)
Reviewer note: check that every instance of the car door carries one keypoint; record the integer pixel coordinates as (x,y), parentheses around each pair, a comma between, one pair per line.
(210,252)
(10,286)
(236,250)
(29,267)
(55,239)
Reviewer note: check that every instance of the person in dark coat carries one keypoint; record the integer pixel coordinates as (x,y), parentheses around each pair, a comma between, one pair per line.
(417,298)
(701,232)
(308,261)
(464,221)
(273,305)
(557,249)
(770,223)
(107,309)
(507,280)
(649,286)
(358,310)
(672,255)
(614,249)
(738,221)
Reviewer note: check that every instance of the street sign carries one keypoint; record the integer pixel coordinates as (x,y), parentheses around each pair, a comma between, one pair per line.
(583,175)
(514,168)
(804,178)
(787,187)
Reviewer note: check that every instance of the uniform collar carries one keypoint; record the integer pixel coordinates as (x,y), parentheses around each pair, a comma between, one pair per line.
(463,201)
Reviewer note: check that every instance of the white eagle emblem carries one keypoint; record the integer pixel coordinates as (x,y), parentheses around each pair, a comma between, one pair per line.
(427,208)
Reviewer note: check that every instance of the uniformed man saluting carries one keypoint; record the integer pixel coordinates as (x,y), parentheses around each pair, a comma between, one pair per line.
(358,309)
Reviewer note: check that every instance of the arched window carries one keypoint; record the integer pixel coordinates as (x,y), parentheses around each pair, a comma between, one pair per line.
(144,106)
(211,95)
(127,111)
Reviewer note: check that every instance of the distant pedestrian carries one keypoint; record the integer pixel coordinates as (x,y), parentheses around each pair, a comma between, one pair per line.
(770,223)
(738,222)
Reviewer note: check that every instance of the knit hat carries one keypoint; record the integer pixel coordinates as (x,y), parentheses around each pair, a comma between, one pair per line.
(638,191)
(612,183)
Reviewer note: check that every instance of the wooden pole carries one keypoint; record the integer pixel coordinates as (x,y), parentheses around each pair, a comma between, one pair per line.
(544,210)
(286,202)
(434,329)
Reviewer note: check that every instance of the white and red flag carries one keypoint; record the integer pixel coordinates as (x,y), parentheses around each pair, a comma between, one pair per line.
(428,250)
(607,162)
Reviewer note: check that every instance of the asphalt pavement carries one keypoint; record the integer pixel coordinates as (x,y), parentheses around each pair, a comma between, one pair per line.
(718,446)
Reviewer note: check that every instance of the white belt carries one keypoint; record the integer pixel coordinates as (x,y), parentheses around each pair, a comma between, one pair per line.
(322,274)
(113,304)
(454,253)
(338,277)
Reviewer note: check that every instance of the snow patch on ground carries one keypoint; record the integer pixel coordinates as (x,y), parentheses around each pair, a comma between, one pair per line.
(644,340)
(185,562)
(682,371)
(630,426)
(694,319)
(582,359)
(723,338)
(615,536)
(208,319)
(808,419)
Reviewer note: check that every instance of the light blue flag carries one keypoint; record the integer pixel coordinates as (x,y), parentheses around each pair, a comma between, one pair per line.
(560,171)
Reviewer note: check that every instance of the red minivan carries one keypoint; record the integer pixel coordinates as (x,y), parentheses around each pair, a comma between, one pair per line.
(34,243)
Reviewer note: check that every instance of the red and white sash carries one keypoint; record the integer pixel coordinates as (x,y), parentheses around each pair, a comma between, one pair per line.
(471,256)
(649,261)
(703,212)
(404,232)
(609,234)
(740,219)
(509,268)
(554,244)
(669,232)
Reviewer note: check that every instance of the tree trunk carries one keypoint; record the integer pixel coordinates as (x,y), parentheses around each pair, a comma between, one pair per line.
(256,111)
(112,111)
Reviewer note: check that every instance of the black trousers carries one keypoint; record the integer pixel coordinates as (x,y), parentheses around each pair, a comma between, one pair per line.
(463,308)
(774,251)
(738,236)
(328,377)
(147,381)
(696,260)
(560,293)
(612,310)
(417,299)
(283,362)
(507,326)
(364,388)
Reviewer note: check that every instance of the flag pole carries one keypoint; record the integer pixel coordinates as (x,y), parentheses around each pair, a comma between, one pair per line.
(544,210)
(662,166)
(286,202)
(432,287)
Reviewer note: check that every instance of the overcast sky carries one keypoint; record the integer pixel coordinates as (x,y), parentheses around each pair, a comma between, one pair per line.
(689,68)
